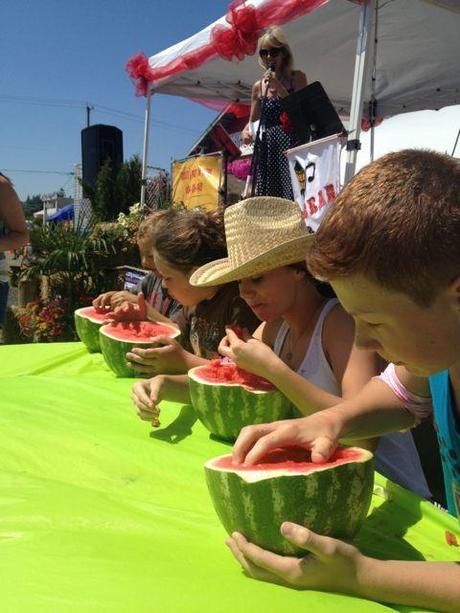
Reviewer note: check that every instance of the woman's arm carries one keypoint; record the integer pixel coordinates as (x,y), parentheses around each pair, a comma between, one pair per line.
(12,215)
(254,115)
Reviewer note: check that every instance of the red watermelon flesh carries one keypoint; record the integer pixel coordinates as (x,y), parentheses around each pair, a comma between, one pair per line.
(291,460)
(95,314)
(141,331)
(225,371)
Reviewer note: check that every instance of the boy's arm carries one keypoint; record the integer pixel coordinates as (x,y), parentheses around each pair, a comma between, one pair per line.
(335,566)
(375,411)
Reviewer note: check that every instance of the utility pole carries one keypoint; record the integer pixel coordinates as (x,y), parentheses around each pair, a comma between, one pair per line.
(89,108)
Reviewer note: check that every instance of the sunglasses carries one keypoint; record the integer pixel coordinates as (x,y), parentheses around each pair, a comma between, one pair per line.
(273,52)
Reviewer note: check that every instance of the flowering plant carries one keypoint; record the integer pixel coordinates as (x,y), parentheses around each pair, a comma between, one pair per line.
(49,321)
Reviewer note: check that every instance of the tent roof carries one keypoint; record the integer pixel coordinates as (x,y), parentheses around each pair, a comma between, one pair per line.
(416,57)
(64,214)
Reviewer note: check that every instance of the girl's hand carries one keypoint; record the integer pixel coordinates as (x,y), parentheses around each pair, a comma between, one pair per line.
(129,311)
(249,353)
(123,296)
(103,300)
(169,358)
(146,395)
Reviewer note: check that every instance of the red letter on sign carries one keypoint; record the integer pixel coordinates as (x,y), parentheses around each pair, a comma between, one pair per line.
(311,205)
(330,192)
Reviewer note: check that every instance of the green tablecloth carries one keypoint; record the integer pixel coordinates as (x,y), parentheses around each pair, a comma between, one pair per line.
(100,513)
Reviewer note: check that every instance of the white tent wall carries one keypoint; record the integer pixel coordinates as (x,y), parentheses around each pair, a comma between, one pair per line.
(416,60)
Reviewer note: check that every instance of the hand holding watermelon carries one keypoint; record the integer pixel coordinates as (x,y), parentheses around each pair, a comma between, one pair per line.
(330,564)
(168,357)
(249,353)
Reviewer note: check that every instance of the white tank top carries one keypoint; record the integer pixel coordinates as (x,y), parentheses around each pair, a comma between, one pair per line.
(396,454)
(314,366)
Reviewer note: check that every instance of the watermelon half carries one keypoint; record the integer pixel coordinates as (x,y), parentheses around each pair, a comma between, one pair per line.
(331,498)
(117,339)
(88,320)
(226,398)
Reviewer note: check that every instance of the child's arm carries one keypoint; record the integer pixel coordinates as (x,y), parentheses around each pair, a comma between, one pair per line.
(332,565)
(375,411)
(146,395)
(257,357)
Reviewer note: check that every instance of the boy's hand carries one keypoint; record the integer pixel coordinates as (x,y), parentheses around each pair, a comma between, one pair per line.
(248,353)
(146,395)
(129,311)
(330,564)
(319,433)
(168,358)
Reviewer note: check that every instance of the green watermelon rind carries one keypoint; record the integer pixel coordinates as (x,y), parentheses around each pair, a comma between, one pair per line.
(225,408)
(258,509)
(114,351)
(87,330)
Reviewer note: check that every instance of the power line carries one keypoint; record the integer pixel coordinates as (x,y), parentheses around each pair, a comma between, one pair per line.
(42,172)
(79,104)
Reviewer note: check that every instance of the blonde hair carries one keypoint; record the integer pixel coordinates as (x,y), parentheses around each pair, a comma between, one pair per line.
(275,37)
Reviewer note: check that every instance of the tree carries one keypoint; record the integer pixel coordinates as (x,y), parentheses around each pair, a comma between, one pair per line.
(102,203)
(128,184)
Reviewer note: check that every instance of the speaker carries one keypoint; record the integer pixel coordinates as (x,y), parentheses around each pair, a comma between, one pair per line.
(312,113)
(98,143)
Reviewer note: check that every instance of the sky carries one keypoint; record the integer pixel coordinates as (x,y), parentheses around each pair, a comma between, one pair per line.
(58,55)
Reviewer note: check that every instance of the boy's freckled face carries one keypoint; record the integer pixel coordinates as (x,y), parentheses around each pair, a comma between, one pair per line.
(425,340)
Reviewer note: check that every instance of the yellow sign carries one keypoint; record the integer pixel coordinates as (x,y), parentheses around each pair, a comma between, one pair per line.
(196,181)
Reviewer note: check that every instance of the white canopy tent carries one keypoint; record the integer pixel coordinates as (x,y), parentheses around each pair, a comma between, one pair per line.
(375,58)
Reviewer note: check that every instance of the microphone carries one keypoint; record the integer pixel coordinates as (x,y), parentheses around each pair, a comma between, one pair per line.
(271,68)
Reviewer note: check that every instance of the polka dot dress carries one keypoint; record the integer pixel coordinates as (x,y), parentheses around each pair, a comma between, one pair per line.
(272,172)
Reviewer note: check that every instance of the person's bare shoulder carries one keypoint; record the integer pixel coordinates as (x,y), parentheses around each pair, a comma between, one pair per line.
(270,331)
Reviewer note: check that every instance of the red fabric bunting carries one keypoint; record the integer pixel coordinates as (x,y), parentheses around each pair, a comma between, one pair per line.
(240,38)
(139,70)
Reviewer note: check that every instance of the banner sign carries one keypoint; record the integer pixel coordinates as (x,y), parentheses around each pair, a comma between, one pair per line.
(196,181)
(315,176)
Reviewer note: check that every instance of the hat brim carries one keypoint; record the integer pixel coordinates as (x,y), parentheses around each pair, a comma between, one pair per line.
(223,271)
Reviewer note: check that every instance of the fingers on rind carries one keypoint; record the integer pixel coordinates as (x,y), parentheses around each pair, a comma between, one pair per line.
(320,546)
(250,568)
(260,561)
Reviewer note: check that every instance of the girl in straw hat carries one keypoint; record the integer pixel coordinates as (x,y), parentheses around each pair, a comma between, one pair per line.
(305,344)
(185,240)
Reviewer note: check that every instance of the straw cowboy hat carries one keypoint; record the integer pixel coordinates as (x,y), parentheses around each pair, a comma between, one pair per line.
(262,234)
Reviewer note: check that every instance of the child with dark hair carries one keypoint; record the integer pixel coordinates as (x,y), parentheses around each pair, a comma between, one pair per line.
(187,240)
(390,247)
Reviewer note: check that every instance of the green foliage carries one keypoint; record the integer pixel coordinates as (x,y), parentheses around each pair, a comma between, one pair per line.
(73,260)
(112,196)
(32,204)
(103,201)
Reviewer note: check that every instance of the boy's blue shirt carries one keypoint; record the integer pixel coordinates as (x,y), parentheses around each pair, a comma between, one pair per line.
(447,422)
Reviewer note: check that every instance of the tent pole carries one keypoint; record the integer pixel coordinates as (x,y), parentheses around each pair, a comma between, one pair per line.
(359,79)
(145,151)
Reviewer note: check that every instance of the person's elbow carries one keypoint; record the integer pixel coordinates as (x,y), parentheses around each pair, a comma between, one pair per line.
(19,238)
